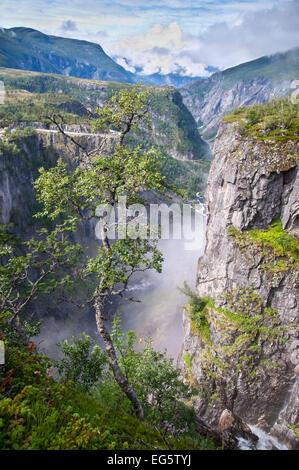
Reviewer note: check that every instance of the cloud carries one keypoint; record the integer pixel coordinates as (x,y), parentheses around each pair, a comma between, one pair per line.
(101,34)
(254,34)
(168,49)
(179,36)
(157,51)
(68,25)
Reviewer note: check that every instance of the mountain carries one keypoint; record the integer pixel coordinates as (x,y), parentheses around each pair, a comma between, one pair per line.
(171,79)
(241,330)
(28,49)
(250,83)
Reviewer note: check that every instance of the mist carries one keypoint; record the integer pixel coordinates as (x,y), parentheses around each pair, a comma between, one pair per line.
(157,310)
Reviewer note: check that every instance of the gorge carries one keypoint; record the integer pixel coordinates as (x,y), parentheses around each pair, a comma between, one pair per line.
(240,337)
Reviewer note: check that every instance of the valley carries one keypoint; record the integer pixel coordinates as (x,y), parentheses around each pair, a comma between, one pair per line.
(229,143)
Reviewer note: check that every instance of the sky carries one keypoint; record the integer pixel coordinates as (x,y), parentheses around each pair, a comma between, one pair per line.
(171,36)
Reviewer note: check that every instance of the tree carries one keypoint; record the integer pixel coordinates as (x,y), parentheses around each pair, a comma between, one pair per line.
(29,268)
(102,179)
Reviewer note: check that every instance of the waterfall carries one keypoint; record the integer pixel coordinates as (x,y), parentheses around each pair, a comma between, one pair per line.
(265,442)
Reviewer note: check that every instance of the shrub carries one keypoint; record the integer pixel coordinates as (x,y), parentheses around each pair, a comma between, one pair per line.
(82,363)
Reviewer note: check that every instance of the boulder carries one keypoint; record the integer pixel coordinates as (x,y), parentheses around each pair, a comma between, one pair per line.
(233,427)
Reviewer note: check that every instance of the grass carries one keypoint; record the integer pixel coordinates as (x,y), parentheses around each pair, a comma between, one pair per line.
(277,120)
(187,360)
(274,237)
(198,316)
(37,413)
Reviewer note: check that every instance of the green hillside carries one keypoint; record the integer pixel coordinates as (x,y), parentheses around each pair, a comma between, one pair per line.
(278,67)
(281,66)
(32,96)
(28,49)
(253,82)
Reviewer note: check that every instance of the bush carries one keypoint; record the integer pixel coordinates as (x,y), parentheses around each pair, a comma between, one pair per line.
(82,363)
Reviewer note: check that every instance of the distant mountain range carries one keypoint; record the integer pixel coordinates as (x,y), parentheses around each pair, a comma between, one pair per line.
(29,49)
(208,99)
(250,83)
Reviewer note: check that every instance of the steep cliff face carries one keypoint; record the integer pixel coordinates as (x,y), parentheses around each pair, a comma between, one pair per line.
(209,106)
(19,169)
(241,333)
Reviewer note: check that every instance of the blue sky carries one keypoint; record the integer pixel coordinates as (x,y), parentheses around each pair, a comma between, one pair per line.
(166,36)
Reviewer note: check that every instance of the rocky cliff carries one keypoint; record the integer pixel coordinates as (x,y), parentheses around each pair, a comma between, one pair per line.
(241,331)
(209,107)
(19,168)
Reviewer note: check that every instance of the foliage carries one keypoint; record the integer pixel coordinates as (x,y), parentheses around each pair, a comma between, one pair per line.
(34,96)
(274,237)
(154,377)
(82,362)
(186,175)
(38,266)
(275,120)
(197,306)
(124,111)
(37,413)
(10,139)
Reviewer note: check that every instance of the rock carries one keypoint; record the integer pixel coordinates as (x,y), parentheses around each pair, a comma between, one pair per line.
(286,435)
(208,100)
(250,184)
(206,430)
(233,427)
(262,424)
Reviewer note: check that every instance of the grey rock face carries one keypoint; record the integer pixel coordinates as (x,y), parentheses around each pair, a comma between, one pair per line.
(211,100)
(244,361)
(17,172)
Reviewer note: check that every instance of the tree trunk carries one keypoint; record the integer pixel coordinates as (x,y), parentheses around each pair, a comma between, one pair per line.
(118,375)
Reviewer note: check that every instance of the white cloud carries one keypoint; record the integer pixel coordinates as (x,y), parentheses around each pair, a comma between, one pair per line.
(183,36)
(168,49)
(158,50)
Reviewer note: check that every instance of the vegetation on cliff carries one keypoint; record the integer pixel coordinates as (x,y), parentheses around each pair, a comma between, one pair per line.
(276,120)
(274,237)
(32,96)
(231,338)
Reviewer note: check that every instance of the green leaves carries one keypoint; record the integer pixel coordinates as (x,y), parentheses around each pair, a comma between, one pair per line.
(103,179)
(124,112)
(37,266)
(82,362)
(154,378)
(124,258)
